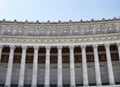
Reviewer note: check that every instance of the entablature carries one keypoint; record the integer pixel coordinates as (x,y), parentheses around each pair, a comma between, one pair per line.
(63,41)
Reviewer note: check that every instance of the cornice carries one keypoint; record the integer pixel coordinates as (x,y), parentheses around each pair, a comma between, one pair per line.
(59,21)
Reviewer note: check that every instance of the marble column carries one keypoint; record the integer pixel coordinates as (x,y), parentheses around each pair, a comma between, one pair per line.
(109,64)
(35,67)
(84,66)
(72,67)
(22,67)
(1,47)
(97,65)
(118,45)
(9,69)
(47,67)
(59,80)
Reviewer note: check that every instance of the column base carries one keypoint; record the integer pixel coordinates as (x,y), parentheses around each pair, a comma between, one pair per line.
(86,86)
(7,86)
(98,84)
(112,83)
(21,86)
(47,86)
(59,86)
(33,86)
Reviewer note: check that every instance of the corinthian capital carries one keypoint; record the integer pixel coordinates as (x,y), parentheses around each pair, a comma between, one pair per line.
(36,47)
(12,46)
(107,44)
(95,45)
(1,46)
(71,46)
(83,46)
(24,47)
(47,47)
(59,47)
(118,44)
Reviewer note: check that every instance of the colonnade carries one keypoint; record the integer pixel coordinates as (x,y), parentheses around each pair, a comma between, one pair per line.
(59,76)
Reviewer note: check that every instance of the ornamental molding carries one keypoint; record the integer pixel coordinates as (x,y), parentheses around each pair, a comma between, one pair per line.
(55,41)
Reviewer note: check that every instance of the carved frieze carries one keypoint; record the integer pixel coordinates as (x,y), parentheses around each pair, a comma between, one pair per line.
(72,29)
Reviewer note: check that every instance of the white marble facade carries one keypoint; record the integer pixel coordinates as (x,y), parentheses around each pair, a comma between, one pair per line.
(59,35)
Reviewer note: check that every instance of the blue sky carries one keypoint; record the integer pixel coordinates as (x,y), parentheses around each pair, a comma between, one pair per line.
(55,10)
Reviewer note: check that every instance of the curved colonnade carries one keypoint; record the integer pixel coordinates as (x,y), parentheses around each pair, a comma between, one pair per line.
(12,38)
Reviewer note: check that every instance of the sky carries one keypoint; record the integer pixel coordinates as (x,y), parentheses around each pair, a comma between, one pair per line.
(54,10)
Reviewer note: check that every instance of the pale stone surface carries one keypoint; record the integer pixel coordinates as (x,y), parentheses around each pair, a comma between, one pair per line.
(35,67)
(59,79)
(10,65)
(72,67)
(47,67)
(109,65)
(22,66)
(60,29)
(97,67)
(84,66)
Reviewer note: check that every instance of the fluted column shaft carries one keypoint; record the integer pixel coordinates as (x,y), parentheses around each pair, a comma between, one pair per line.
(9,69)
(84,66)
(97,65)
(35,67)
(47,67)
(109,65)
(72,67)
(1,47)
(59,81)
(118,44)
(22,67)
